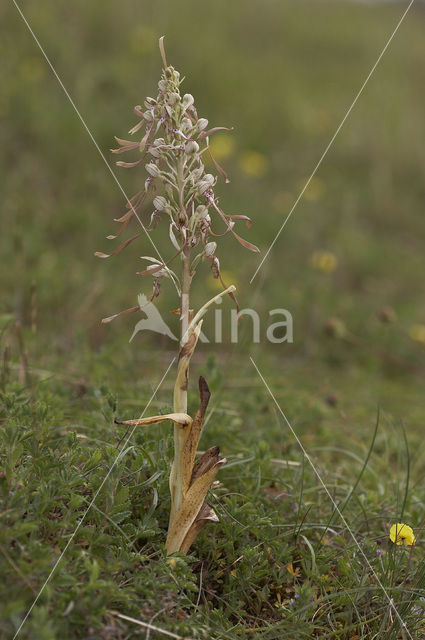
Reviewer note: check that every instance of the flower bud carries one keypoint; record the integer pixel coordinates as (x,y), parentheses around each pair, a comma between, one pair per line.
(173,98)
(172,73)
(202,124)
(201,211)
(191,147)
(148,115)
(186,124)
(150,102)
(202,216)
(153,170)
(215,267)
(160,203)
(162,85)
(202,187)
(154,149)
(187,101)
(210,248)
(206,183)
(196,174)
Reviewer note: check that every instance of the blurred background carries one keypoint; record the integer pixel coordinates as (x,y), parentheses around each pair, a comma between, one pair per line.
(349,264)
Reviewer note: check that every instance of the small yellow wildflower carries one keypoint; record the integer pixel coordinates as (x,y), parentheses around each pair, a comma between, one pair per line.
(324,261)
(222,146)
(227,277)
(314,191)
(417,333)
(294,572)
(402,534)
(253,164)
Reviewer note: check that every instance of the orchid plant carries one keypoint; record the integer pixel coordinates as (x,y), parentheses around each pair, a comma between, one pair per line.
(172,142)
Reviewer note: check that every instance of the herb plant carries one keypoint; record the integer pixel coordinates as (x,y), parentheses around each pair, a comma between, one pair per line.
(173,142)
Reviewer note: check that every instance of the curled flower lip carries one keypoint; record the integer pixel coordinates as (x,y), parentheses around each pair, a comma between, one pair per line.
(402,534)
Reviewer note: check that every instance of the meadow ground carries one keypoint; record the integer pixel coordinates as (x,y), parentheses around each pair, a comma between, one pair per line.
(281,563)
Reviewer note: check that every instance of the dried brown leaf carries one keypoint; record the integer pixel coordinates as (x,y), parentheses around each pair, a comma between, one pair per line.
(182,419)
(191,443)
(122,246)
(190,506)
(206,514)
(205,134)
(205,463)
(129,165)
(128,146)
(219,168)
(224,217)
(121,313)
(241,217)
(245,243)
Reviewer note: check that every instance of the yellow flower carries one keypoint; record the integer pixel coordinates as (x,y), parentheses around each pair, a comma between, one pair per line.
(314,191)
(324,261)
(227,277)
(294,572)
(402,534)
(222,146)
(417,333)
(253,164)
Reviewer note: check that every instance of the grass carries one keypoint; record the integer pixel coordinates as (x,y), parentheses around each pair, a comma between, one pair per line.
(281,562)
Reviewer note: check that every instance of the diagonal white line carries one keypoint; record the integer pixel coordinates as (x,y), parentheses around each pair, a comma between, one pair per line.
(91,503)
(159,255)
(150,627)
(319,477)
(322,157)
(83,122)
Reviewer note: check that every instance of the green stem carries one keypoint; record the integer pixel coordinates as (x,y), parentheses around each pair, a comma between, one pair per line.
(180,388)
